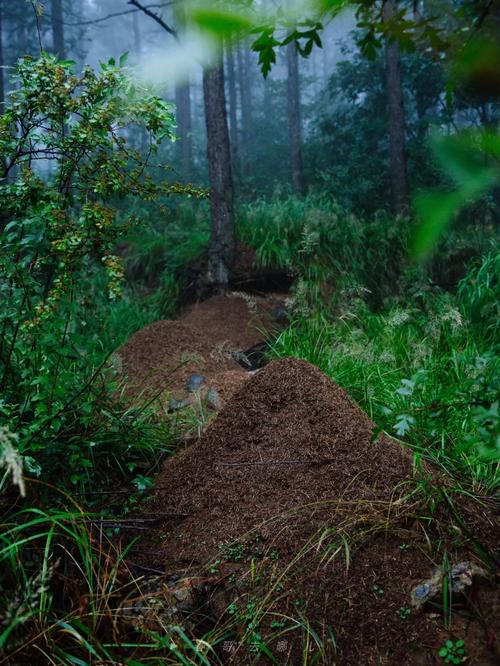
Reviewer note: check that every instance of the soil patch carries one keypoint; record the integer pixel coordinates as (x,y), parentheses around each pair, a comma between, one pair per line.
(209,339)
(290,439)
(308,525)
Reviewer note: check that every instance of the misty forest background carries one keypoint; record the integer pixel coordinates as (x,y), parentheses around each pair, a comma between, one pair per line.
(361,172)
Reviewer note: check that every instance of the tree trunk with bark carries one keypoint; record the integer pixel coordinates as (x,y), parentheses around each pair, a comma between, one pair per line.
(2,79)
(233,107)
(58,29)
(246,110)
(184,128)
(184,150)
(137,34)
(396,116)
(2,101)
(222,243)
(294,118)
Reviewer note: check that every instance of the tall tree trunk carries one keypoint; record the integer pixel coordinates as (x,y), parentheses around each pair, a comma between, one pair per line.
(184,128)
(233,107)
(294,118)
(246,112)
(137,34)
(2,103)
(58,29)
(268,97)
(222,244)
(183,104)
(138,133)
(396,116)
(2,80)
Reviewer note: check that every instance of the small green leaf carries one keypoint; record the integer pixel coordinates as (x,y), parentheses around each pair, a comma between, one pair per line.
(435,211)
(221,22)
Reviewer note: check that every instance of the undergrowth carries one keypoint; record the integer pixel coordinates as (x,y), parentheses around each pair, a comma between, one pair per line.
(422,361)
(426,369)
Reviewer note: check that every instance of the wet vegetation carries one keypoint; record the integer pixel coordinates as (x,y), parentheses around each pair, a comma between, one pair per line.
(342,156)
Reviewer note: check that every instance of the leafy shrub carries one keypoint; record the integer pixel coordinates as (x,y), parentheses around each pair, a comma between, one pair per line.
(167,239)
(58,234)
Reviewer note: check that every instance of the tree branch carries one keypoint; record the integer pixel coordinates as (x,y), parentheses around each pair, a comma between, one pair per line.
(124,13)
(155,17)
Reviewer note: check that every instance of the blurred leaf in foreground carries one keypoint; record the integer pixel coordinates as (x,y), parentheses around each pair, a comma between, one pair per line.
(471,159)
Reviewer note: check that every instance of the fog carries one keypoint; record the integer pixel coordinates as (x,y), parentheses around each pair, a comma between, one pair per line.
(93,31)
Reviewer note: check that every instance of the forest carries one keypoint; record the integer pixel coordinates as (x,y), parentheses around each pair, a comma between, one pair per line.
(249,332)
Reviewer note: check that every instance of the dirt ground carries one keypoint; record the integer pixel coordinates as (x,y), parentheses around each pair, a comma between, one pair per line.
(309,532)
(209,339)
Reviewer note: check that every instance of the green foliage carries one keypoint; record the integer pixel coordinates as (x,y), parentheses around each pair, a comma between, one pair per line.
(479,295)
(46,555)
(318,241)
(59,231)
(472,159)
(422,369)
(350,123)
(453,652)
(167,241)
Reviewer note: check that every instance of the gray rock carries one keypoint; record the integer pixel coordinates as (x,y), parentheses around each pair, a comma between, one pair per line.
(174,404)
(195,383)
(213,398)
(279,315)
(463,575)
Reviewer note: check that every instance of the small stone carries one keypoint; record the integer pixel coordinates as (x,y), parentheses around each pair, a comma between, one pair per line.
(279,315)
(174,404)
(463,576)
(213,398)
(422,591)
(182,594)
(194,383)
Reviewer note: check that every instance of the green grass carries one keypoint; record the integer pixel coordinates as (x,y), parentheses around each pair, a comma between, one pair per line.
(426,371)
(49,557)
(166,241)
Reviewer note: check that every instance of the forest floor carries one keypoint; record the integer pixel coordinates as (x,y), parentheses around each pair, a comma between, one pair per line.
(292,531)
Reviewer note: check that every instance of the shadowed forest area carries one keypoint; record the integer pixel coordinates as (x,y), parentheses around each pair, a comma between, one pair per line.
(249,332)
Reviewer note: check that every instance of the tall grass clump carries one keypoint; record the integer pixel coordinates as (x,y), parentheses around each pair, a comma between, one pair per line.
(319,241)
(64,587)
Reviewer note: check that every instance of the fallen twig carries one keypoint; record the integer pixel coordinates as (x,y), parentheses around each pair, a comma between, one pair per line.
(326,461)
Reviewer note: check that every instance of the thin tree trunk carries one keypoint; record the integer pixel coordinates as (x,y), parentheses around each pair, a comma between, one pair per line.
(139,133)
(324,56)
(245,110)
(248,81)
(268,97)
(183,104)
(222,246)
(233,107)
(2,79)
(3,219)
(184,128)
(137,34)
(58,29)
(396,115)
(294,118)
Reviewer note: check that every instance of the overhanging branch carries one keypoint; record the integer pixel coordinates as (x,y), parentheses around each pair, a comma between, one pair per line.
(155,17)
